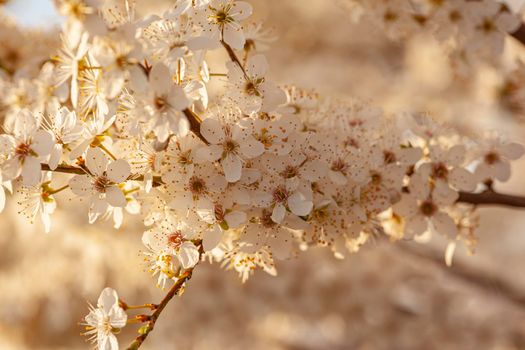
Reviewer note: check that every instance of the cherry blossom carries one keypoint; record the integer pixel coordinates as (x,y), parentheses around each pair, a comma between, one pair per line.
(229,144)
(25,149)
(101,183)
(104,320)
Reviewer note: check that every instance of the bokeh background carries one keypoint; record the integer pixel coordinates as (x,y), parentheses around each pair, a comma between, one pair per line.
(385,297)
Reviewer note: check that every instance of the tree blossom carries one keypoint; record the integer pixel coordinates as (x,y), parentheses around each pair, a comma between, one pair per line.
(101,182)
(25,149)
(229,144)
(104,320)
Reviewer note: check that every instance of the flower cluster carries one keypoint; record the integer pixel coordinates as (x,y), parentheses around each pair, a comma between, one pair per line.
(470,28)
(122,116)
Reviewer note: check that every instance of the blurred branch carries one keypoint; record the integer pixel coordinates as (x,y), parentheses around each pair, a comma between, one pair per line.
(491,197)
(490,283)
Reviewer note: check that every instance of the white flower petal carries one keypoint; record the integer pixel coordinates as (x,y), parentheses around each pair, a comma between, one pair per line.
(512,150)
(31,171)
(188,255)
(278,213)
(42,143)
(235,218)
(299,204)
(416,225)
(96,161)
(81,185)
(116,197)
(211,238)
(234,36)
(107,299)
(118,171)
(212,130)
(160,79)
(241,10)
(444,225)
(251,148)
(232,167)
(462,179)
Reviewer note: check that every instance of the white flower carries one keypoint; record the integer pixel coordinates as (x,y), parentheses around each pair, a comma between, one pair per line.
(490,22)
(26,149)
(222,21)
(250,88)
(66,129)
(170,249)
(446,170)
(281,196)
(74,48)
(38,200)
(102,182)
(423,211)
(219,218)
(92,133)
(105,320)
(164,103)
(230,144)
(496,156)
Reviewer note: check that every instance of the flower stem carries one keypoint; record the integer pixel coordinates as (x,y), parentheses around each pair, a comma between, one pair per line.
(59,189)
(108,152)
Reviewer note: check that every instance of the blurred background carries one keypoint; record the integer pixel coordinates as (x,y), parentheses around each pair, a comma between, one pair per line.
(384,297)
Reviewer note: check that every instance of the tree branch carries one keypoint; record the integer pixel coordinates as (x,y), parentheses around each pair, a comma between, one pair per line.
(490,197)
(490,283)
(153,318)
(195,124)
(70,169)
(175,290)
(519,34)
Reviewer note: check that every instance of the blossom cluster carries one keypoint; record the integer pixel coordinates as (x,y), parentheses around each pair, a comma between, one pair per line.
(470,29)
(123,117)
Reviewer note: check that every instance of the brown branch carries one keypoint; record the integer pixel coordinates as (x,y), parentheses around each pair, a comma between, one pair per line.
(153,318)
(519,34)
(175,290)
(70,169)
(234,58)
(195,124)
(490,197)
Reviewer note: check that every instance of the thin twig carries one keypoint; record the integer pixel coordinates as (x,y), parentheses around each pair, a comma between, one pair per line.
(151,320)
(235,59)
(70,169)
(195,124)
(490,283)
(164,302)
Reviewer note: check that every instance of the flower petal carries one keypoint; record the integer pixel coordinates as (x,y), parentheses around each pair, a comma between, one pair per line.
(96,161)
(299,204)
(235,218)
(116,197)
(232,167)
(212,130)
(118,171)
(31,171)
(188,255)
(278,213)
